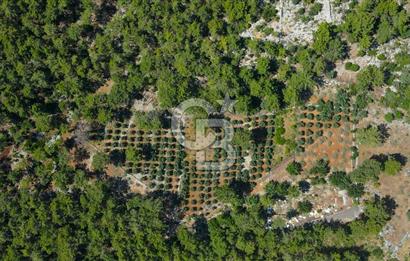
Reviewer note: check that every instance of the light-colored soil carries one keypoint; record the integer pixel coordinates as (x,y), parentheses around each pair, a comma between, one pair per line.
(106,88)
(398,187)
(343,75)
(113,171)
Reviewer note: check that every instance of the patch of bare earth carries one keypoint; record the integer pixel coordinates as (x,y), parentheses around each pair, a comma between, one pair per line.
(6,152)
(398,187)
(106,88)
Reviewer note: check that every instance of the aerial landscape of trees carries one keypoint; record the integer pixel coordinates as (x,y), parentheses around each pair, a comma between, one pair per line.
(71,70)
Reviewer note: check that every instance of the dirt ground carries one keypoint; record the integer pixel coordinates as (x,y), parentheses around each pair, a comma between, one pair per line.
(334,145)
(398,187)
(106,88)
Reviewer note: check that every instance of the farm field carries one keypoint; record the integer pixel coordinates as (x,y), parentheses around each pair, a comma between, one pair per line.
(325,134)
(166,165)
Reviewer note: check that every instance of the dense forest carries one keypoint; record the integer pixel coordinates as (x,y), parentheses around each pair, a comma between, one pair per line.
(55,55)
(100,220)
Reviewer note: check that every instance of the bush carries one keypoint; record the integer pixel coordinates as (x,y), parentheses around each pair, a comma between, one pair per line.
(355,152)
(305,206)
(336,125)
(369,170)
(398,115)
(381,57)
(241,138)
(321,167)
(148,121)
(392,167)
(408,214)
(319,133)
(369,136)
(315,9)
(389,117)
(337,117)
(352,67)
(294,168)
(99,162)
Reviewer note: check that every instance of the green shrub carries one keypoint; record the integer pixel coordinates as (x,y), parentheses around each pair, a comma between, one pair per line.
(389,117)
(398,115)
(294,168)
(315,9)
(305,206)
(337,117)
(352,67)
(355,152)
(392,167)
(381,57)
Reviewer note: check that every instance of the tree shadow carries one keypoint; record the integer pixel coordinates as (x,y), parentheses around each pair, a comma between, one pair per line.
(305,95)
(382,158)
(172,212)
(390,204)
(259,135)
(240,187)
(117,157)
(400,158)
(201,228)
(304,186)
(118,187)
(384,132)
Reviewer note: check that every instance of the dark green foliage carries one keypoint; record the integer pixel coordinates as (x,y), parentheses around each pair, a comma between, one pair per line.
(369,170)
(227,194)
(276,190)
(400,98)
(294,168)
(321,168)
(305,206)
(117,157)
(326,110)
(340,180)
(355,152)
(99,161)
(95,218)
(242,138)
(150,121)
(392,167)
(379,21)
(352,66)
(369,77)
(327,42)
(315,9)
(279,130)
(132,154)
(369,136)
(389,117)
